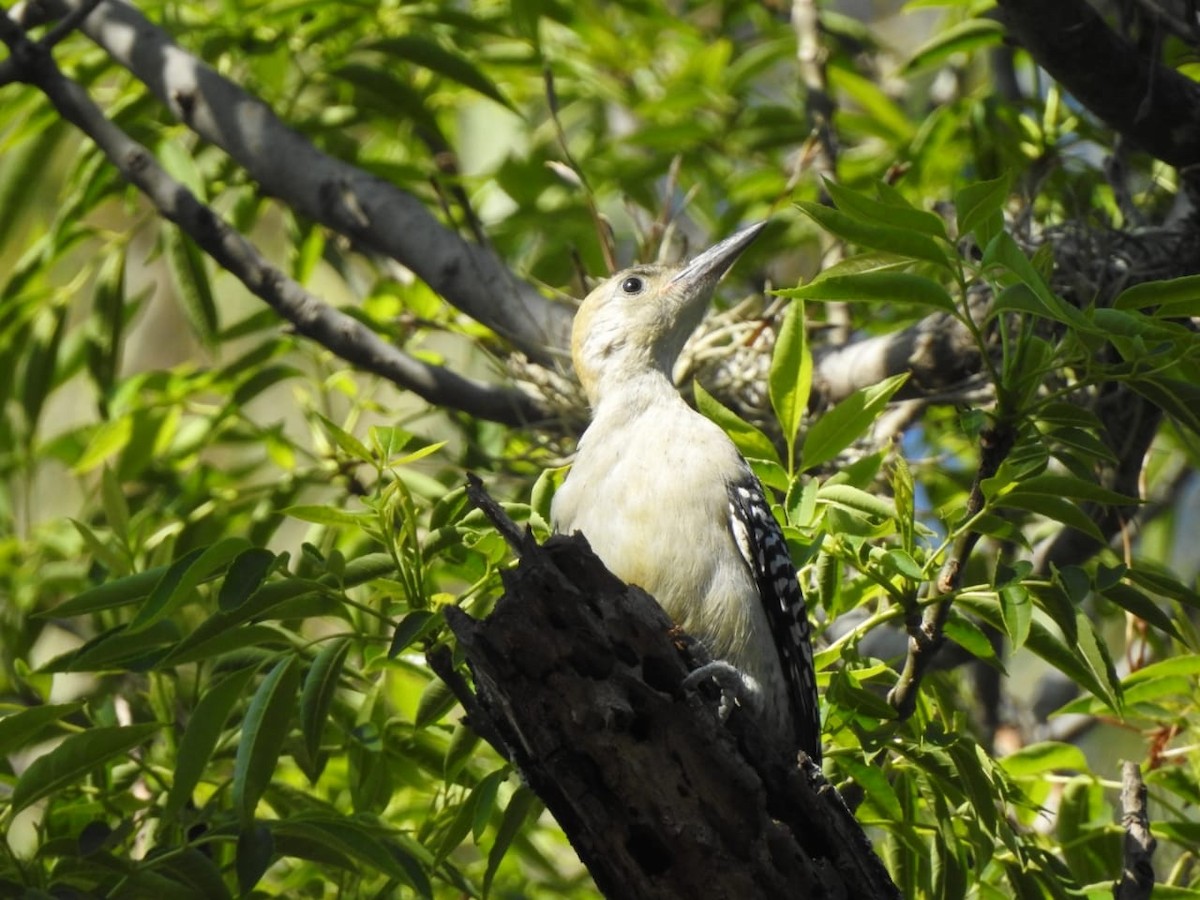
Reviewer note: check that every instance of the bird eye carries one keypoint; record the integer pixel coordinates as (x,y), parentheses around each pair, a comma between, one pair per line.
(632,285)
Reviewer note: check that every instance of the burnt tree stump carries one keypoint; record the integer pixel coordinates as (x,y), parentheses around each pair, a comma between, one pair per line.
(578,681)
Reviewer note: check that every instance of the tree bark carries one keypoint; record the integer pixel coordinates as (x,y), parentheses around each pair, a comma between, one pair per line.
(579,682)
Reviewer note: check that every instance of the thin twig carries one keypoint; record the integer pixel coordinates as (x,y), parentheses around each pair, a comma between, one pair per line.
(926,630)
(341,334)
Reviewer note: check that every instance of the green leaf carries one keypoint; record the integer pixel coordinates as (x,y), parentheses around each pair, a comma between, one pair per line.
(255,853)
(486,792)
(109,438)
(790,377)
(752,443)
(414,625)
(74,758)
(1176,666)
(1016,611)
(454,66)
(320,685)
(875,287)
(41,352)
(856,500)
(969,636)
(459,751)
(119,592)
(1046,756)
(245,576)
(1003,251)
(436,700)
(847,422)
(185,264)
(1055,508)
(20,729)
(329,515)
(315,836)
(348,443)
(980,209)
(201,735)
(877,237)
(899,214)
(1176,297)
(520,805)
(183,577)
(263,733)
(965,37)
(1094,653)
(1134,601)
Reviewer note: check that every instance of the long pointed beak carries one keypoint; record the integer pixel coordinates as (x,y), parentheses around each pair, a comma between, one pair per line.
(707,268)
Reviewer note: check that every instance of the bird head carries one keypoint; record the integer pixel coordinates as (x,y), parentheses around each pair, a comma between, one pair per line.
(638,320)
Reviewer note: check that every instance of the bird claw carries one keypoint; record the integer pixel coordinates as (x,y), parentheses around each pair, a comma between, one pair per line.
(737,688)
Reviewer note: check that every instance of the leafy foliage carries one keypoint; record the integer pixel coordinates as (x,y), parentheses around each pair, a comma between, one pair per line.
(223,556)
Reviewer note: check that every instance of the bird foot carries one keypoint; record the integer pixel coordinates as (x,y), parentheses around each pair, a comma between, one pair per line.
(737,688)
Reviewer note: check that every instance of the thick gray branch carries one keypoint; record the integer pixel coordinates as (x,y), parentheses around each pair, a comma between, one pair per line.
(374,212)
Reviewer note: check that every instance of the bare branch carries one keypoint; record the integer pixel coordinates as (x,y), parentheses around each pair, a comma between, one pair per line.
(340,333)
(286,165)
(1137,875)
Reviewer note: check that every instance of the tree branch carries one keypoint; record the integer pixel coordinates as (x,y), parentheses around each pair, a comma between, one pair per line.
(579,683)
(286,165)
(1152,105)
(340,333)
(1137,875)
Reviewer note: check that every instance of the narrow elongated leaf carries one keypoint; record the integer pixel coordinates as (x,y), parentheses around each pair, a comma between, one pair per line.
(349,444)
(980,209)
(1134,601)
(245,576)
(263,732)
(897,214)
(1047,756)
(183,577)
(20,729)
(856,500)
(1004,251)
(41,360)
(119,592)
(328,515)
(522,802)
(749,440)
(1177,297)
(848,421)
(74,758)
(255,853)
(790,378)
(877,237)
(436,58)
(320,684)
(185,263)
(201,736)
(107,440)
(1051,507)
(965,37)
(1095,654)
(875,287)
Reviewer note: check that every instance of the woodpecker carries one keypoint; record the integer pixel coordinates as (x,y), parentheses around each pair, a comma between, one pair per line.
(667,502)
